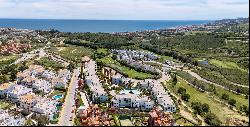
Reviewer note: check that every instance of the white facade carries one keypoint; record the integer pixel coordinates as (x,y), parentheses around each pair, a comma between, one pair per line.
(42,85)
(92,80)
(17,91)
(46,107)
(131,101)
(159,93)
(7,119)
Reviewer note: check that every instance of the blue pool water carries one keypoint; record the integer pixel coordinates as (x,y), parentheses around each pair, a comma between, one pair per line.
(129,91)
(57,96)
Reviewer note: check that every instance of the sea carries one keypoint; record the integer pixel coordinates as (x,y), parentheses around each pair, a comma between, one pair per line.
(95,26)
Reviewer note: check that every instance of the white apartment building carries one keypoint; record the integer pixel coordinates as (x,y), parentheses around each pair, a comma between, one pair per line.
(42,85)
(16,92)
(158,91)
(59,83)
(131,101)
(45,106)
(92,80)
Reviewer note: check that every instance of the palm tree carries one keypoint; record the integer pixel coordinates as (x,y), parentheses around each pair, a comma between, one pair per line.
(28,122)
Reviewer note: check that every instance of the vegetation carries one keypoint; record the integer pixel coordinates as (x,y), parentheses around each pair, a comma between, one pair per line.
(49,64)
(74,53)
(219,92)
(198,96)
(126,71)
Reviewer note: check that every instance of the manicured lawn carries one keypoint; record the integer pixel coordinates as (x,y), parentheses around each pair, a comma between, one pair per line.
(49,64)
(218,109)
(224,64)
(163,58)
(240,100)
(130,72)
(74,52)
(159,66)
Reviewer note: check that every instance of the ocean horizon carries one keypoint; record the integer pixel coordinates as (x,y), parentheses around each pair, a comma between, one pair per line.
(95,26)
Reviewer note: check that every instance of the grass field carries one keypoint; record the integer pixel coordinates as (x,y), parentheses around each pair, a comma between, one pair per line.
(156,65)
(240,100)
(130,72)
(221,111)
(4,58)
(74,53)
(163,58)
(224,64)
(49,64)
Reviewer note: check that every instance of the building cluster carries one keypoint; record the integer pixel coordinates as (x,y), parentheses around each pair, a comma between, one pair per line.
(39,79)
(211,26)
(158,92)
(23,92)
(131,100)
(93,116)
(159,118)
(131,57)
(134,55)
(13,48)
(93,81)
(19,35)
(8,118)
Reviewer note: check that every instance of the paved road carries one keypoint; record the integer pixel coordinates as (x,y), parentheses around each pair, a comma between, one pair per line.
(202,79)
(29,55)
(65,114)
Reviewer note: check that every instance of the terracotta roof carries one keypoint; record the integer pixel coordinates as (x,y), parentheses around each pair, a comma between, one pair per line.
(85,59)
(4,86)
(28,98)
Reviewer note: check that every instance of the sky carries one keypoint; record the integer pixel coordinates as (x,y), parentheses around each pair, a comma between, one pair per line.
(124,9)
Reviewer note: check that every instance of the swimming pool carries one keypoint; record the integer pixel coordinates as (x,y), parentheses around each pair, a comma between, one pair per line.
(127,91)
(57,97)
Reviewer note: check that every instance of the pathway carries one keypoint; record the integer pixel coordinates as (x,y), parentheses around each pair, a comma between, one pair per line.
(64,119)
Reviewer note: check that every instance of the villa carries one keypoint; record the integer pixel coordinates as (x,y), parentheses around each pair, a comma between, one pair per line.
(45,106)
(48,74)
(64,74)
(158,91)
(16,91)
(59,83)
(27,102)
(28,81)
(4,89)
(131,100)
(42,85)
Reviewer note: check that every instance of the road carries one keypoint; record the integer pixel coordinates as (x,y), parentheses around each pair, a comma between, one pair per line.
(202,79)
(207,81)
(64,119)
(30,55)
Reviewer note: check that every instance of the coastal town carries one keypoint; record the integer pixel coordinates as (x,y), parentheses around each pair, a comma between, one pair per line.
(48,79)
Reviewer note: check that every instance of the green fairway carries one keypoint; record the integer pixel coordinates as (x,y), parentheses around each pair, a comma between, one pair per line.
(74,53)
(130,72)
(221,111)
(224,64)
